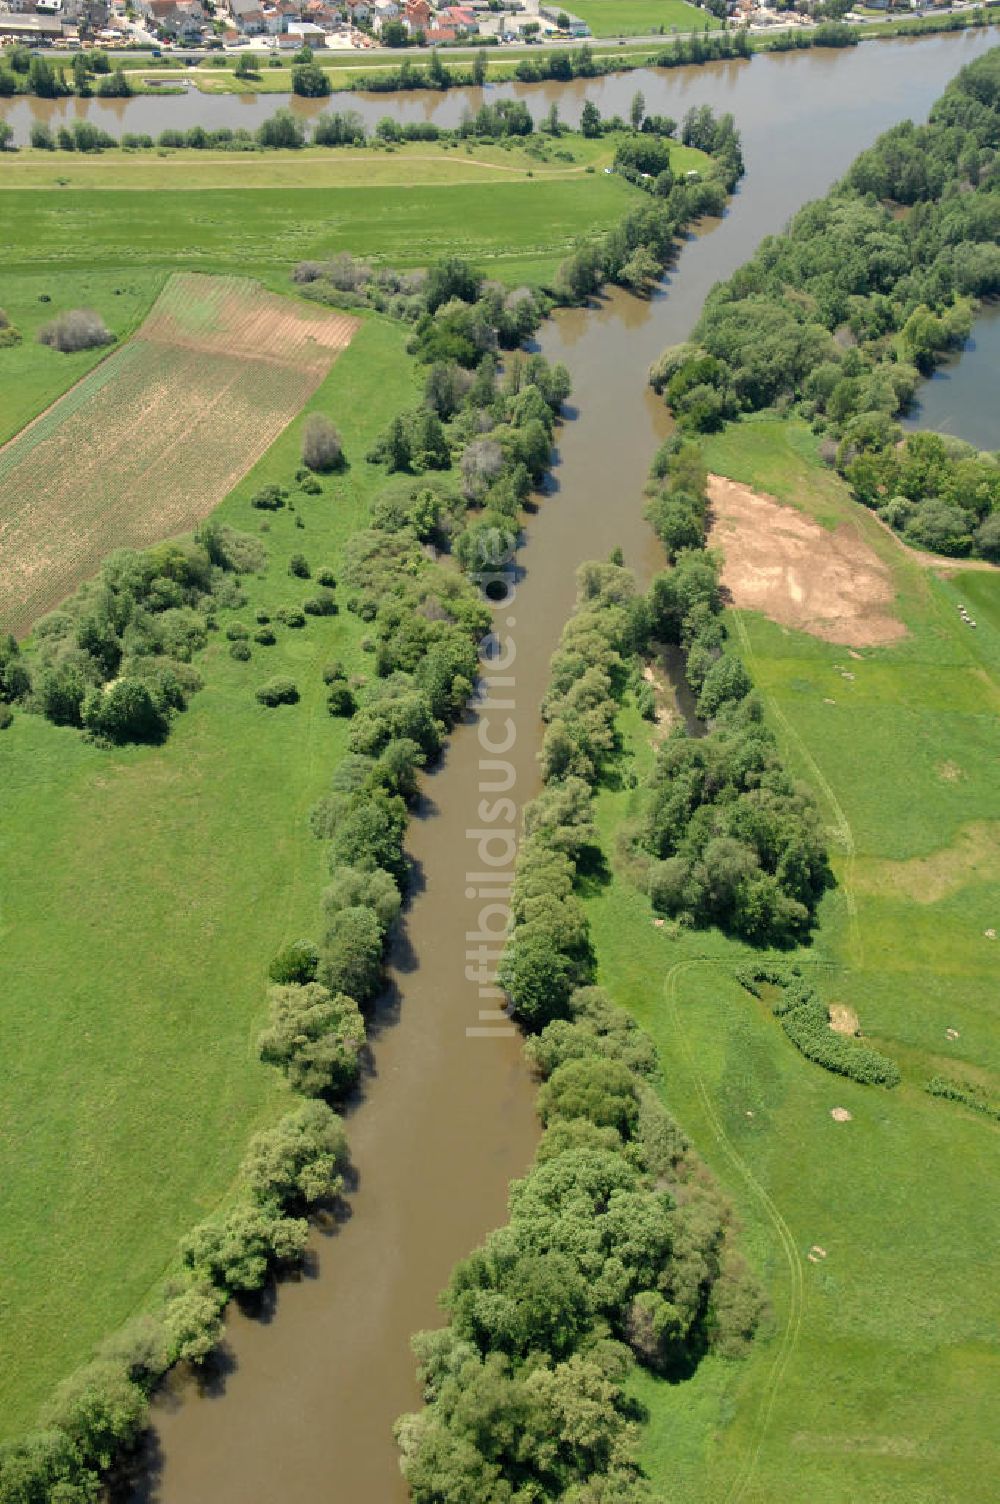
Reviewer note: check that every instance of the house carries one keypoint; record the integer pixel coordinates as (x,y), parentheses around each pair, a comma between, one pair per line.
(184,19)
(436,35)
(31,29)
(417,15)
(384,11)
(248,16)
(358,11)
(306,34)
(461,19)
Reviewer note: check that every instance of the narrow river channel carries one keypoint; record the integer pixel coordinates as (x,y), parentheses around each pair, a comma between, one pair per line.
(305,1410)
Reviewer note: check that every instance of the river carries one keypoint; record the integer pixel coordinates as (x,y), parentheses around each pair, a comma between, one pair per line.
(305,1408)
(961,396)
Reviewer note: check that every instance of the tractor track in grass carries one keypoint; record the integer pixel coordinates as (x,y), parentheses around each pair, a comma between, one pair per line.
(789,1339)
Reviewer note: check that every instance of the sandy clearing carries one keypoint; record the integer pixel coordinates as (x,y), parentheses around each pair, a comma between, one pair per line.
(843,1020)
(782,563)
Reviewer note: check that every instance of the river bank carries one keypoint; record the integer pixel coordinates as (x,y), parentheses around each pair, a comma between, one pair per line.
(612,93)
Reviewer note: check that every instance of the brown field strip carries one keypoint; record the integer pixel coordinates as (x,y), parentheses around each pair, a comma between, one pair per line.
(149,443)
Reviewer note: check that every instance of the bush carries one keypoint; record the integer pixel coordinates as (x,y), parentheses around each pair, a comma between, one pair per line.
(236,631)
(351,959)
(269,498)
(320,605)
(241,652)
(321,446)
(290,617)
(6,716)
(298,565)
(79,329)
(316,1038)
(237,1252)
(295,963)
(278,692)
(265,636)
(127,711)
(340,701)
(326,578)
(299,1161)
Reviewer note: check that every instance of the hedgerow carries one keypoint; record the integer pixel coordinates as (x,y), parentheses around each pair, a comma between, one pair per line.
(805,1018)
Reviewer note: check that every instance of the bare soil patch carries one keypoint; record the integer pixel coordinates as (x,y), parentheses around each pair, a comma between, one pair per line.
(150,442)
(843,1020)
(782,563)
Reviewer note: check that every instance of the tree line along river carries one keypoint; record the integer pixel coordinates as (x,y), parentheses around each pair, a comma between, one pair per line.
(304,1405)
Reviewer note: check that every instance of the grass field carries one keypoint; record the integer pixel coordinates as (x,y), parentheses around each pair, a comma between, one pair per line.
(880,1373)
(609,18)
(131,1082)
(216,371)
(112,232)
(520,225)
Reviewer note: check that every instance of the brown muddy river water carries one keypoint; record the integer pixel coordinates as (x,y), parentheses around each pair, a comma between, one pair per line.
(305,1409)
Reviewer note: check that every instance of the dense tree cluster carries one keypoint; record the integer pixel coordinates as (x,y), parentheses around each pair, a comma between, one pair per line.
(805,1018)
(115,658)
(870,287)
(618,1249)
(736,842)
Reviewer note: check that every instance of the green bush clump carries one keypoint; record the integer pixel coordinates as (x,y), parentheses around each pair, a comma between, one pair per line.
(326,578)
(298,565)
(269,498)
(278,692)
(320,605)
(240,651)
(315,1037)
(290,617)
(805,1018)
(295,963)
(265,637)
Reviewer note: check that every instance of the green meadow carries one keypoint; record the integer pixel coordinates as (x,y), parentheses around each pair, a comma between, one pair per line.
(878,1372)
(145,891)
(607,18)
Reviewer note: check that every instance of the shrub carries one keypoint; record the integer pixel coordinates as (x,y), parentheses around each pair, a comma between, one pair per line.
(237,1251)
(269,498)
(316,1038)
(265,636)
(278,692)
(79,329)
(6,716)
(351,958)
(298,565)
(299,1161)
(326,578)
(289,617)
(321,446)
(340,701)
(320,605)
(236,631)
(352,888)
(127,711)
(295,963)
(240,651)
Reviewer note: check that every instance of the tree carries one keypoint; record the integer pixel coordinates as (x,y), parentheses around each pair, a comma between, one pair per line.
(321,446)
(479,68)
(590,120)
(310,81)
(100,1410)
(351,959)
(77,329)
(637,109)
(281,131)
(115,86)
(126,711)
(298,1161)
(245,66)
(314,1037)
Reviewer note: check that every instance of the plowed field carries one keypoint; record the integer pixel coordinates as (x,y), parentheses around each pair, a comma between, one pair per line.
(152,439)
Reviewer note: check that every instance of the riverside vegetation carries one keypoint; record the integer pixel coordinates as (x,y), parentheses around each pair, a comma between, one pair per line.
(126,654)
(619,1247)
(868,289)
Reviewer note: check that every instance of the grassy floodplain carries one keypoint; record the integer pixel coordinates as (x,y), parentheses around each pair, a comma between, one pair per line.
(879,1376)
